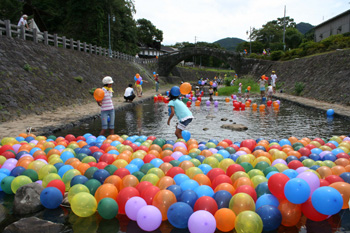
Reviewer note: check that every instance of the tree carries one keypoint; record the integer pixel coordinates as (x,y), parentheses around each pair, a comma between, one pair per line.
(293,38)
(10,9)
(148,35)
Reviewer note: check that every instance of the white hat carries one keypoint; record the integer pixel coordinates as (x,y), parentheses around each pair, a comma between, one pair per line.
(25,16)
(107,80)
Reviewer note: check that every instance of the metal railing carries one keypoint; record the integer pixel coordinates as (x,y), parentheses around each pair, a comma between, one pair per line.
(12,31)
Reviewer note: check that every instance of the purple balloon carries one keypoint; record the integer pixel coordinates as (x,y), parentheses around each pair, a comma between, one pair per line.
(323,153)
(16,147)
(312,179)
(181,144)
(207,103)
(241,152)
(24,155)
(234,97)
(39,182)
(194,99)
(213,150)
(346,139)
(202,221)
(216,103)
(279,102)
(34,142)
(149,218)
(301,169)
(132,207)
(276,161)
(176,155)
(8,166)
(43,160)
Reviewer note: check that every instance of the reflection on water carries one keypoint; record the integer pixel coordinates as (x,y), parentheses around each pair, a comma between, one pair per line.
(150,118)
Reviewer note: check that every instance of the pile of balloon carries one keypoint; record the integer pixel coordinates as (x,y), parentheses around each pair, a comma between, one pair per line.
(138,79)
(237,105)
(160,98)
(249,186)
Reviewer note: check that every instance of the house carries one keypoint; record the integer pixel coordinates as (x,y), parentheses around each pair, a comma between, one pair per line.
(339,24)
(148,52)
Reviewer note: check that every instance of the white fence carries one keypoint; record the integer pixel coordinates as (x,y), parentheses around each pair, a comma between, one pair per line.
(10,30)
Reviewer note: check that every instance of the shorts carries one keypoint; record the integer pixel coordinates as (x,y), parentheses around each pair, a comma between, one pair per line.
(104,119)
(262,88)
(183,124)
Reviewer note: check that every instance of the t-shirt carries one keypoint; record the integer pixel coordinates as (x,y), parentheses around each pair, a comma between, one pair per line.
(181,110)
(107,103)
(269,89)
(128,91)
(22,21)
(273,78)
(262,82)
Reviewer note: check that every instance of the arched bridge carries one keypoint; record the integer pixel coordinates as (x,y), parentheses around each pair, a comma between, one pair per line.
(167,62)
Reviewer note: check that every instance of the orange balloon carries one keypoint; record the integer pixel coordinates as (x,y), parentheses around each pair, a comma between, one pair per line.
(338,170)
(206,153)
(344,190)
(99,94)
(181,149)
(75,164)
(129,181)
(38,152)
(324,171)
(225,186)
(115,180)
(223,144)
(167,146)
(347,168)
(165,182)
(186,165)
(53,151)
(202,179)
(341,162)
(291,213)
(185,88)
(192,141)
(71,160)
(155,153)
(192,146)
(225,219)
(163,200)
(124,156)
(294,153)
(242,181)
(156,148)
(165,153)
(245,149)
(292,140)
(106,190)
(165,167)
(83,167)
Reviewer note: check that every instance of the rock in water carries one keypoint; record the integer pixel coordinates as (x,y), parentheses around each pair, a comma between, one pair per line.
(34,224)
(235,127)
(27,199)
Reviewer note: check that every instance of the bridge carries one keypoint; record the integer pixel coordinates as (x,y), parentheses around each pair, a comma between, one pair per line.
(168,61)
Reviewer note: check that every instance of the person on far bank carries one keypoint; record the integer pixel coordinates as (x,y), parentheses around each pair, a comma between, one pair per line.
(23,21)
(273,81)
(178,108)
(107,107)
(156,79)
(129,95)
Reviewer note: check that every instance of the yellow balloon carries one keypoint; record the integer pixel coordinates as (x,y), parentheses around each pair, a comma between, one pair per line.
(235,176)
(281,167)
(68,176)
(78,188)
(225,163)
(19,181)
(248,222)
(49,177)
(55,160)
(36,165)
(153,178)
(46,169)
(157,171)
(258,180)
(211,161)
(255,172)
(120,163)
(241,202)
(192,171)
(83,204)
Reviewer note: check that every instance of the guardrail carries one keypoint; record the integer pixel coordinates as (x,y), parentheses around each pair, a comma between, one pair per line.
(10,30)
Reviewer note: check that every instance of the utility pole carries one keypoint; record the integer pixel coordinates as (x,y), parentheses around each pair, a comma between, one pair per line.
(250,39)
(284,30)
(109,34)
(195,45)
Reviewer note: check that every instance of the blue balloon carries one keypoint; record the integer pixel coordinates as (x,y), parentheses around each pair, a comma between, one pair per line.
(330,112)
(337,151)
(138,162)
(315,167)
(290,173)
(201,159)
(314,157)
(63,170)
(17,171)
(154,72)
(330,157)
(234,157)
(266,199)
(20,139)
(135,79)
(270,174)
(204,167)
(291,158)
(66,155)
(327,200)
(214,141)
(283,142)
(262,189)
(222,198)
(85,151)
(169,111)
(224,153)
(132,168)
(28,139)
(51,198)
(297,191)
(270,216)
(176,189)
(97,155)
(189,185)
(79,179)
(316,151)
(186,135)
(179,178)
(178,214)
(204,190)
(157,162)
(274,140)
(259,148)
(58,165)
(2,176)
(189,196)
(100,175)
(175,91)
(33,150)
(302,158)
(334,143)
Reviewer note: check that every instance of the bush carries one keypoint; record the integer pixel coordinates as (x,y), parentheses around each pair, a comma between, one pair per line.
(92,90)
(227,81)
(299,88)
(277,55)
(78,79)
(27,67)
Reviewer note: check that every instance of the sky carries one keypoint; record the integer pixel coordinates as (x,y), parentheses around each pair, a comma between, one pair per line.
(212,20)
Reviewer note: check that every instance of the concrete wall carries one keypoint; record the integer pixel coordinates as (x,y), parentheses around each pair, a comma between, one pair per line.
(338,25)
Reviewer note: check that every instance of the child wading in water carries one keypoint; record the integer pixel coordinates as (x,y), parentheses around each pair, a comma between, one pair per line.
(211,92)
(178,108)
(107,107)
(240,90)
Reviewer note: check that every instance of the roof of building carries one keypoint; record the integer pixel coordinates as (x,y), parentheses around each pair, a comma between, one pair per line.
(331,19)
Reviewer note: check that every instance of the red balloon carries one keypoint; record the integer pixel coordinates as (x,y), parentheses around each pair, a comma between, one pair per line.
(232,169)
(144,148)
(81,138)
(343,155)
(304,151)
(234,146)
(9,155)
(268,103)
(143,185)
(248,190)
(331,145)
(107,158)
(228,141)
(133,146)
(101,165)
(149,193)
(40,157)
(148,158)
(333,178)
(105,146)
(242,106)
(311,213)
(5,148)
(121,172)
(310,146)
(213,173)
(319,140)
(152,138)
(92,164)
(324,183)
(278,147)
(221,179)
(276,184)
(127,142)
(93,149)
(124,195)
(249,143)
(188,103)
(295,164)
(174,171)
(168,158)
(206,203)
(59,184)
(70,137)
(236,105)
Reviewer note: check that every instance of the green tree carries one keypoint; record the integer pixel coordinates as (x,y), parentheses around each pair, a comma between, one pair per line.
(10,9)
(293,38)
(147,34)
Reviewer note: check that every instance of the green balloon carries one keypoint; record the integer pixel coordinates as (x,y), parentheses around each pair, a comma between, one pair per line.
(140,140)
(219,157)
(111,169)
(262,165)
(53,137)
(47,150)
(247,166)
(159,141)
(138,175)
(175,163)
(308,162)
(210,145)
(107,208)
(32,174)
(81,156)
(195,162)
(92,185)
(90,172)
(270,169)
(297,144)
(185,100)
(145,168)
(168,148)
(6,184)
(193,155)
(231,150)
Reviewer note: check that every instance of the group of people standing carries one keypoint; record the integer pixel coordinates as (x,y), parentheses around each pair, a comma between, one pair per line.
(271,88)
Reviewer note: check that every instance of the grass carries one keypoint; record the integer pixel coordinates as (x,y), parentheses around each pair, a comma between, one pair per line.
(27,67)
(78,79)
(246,81)
(210,69)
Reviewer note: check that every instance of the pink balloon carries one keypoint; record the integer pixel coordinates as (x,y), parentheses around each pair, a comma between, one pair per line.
(301,169)
(132,207)
(213,150)
(241,152)
(279,161)
(176,155)
(149,218)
